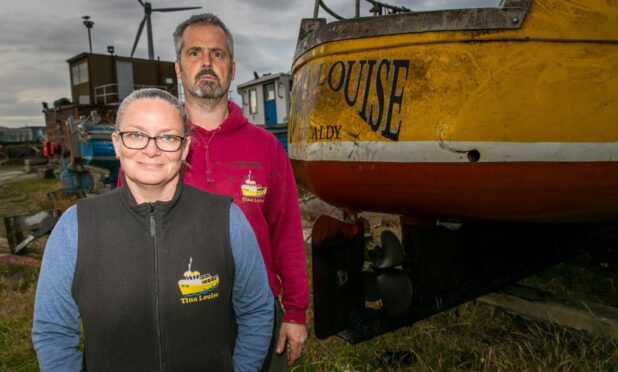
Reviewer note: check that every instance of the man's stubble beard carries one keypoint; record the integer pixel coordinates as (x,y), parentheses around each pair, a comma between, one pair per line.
(215,92)
(210,90)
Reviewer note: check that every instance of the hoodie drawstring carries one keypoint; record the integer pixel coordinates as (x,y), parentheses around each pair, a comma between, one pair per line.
(209,177)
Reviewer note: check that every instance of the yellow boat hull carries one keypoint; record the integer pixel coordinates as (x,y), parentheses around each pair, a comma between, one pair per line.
(196,289)
(253,192)
(511,123)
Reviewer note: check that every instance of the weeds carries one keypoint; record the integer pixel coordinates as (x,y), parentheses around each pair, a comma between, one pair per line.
(25,195)
(470,337)
(17,287)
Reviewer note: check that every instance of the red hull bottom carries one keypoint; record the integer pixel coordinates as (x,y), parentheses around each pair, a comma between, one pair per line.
(532,191)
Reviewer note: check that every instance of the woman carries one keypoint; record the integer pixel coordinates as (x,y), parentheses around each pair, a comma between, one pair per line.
(161,275)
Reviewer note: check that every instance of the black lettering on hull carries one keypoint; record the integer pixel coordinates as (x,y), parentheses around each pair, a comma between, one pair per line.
(375,88)
(325,132)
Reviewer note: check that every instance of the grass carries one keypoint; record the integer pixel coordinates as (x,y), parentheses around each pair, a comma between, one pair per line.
(479,337)
(592,276)
(17,287)
(471,337)
(25,195)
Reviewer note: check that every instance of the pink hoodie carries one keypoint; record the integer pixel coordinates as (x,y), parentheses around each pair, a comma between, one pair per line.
(248,163)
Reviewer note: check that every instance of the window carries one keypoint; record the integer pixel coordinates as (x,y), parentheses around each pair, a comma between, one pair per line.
(253,101)
(270,92)
(75,75)
(83,72)
(79,73)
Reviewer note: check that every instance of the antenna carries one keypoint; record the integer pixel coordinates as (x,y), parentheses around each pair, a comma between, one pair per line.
(148,9)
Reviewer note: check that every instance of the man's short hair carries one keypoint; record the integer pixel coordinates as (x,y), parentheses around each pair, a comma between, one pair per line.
(202,19)
(152,93)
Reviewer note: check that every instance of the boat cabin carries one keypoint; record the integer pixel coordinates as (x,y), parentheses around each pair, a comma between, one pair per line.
(266,102)
(266,99)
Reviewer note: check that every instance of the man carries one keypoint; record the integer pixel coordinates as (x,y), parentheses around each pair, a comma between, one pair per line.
(231,156)
(154,288)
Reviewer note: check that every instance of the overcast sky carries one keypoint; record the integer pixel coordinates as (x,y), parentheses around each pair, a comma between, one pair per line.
(37,37)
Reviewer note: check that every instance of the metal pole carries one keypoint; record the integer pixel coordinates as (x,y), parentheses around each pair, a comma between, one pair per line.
(357,8)
(316,9)
(88,23)
(90,41)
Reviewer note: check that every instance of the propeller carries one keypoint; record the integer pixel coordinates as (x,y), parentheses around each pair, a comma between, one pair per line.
(385,280)
(391,254)
(148,9)
(395,290)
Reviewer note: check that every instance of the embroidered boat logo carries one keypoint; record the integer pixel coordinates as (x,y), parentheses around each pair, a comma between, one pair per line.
(251,191)
(197,287)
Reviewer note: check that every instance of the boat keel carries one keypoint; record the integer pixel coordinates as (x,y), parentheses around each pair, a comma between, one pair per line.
(446,263)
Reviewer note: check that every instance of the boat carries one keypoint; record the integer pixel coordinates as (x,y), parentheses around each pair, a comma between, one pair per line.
(490,131)
(265,102)
(250,189)
(90,147)
(497,113)
(195,283)
(98,150)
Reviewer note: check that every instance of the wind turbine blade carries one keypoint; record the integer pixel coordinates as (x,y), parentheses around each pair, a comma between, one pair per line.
(139,33)
(175,9)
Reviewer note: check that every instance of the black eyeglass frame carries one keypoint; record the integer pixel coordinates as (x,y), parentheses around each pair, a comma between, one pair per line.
(121,134)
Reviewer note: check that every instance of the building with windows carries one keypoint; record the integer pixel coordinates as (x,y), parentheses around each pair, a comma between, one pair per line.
(106,79)
(22,135)
(99,82)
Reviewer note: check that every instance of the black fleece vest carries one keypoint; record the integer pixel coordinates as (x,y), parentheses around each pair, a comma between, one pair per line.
(132,261)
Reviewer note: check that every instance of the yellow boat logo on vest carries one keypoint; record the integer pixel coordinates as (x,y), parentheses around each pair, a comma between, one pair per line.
(252,191)
(197,287)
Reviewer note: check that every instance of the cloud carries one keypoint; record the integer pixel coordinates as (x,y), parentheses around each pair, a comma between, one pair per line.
(39,36)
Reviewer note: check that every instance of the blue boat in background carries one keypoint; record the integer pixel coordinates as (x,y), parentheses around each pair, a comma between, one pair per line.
(99,151)
(90,145)
(281,132)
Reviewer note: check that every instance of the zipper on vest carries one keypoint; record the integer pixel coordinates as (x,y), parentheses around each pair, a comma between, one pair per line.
(153,235)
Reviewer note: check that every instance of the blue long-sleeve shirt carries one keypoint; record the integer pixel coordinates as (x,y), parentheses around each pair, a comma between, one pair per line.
(56,323)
